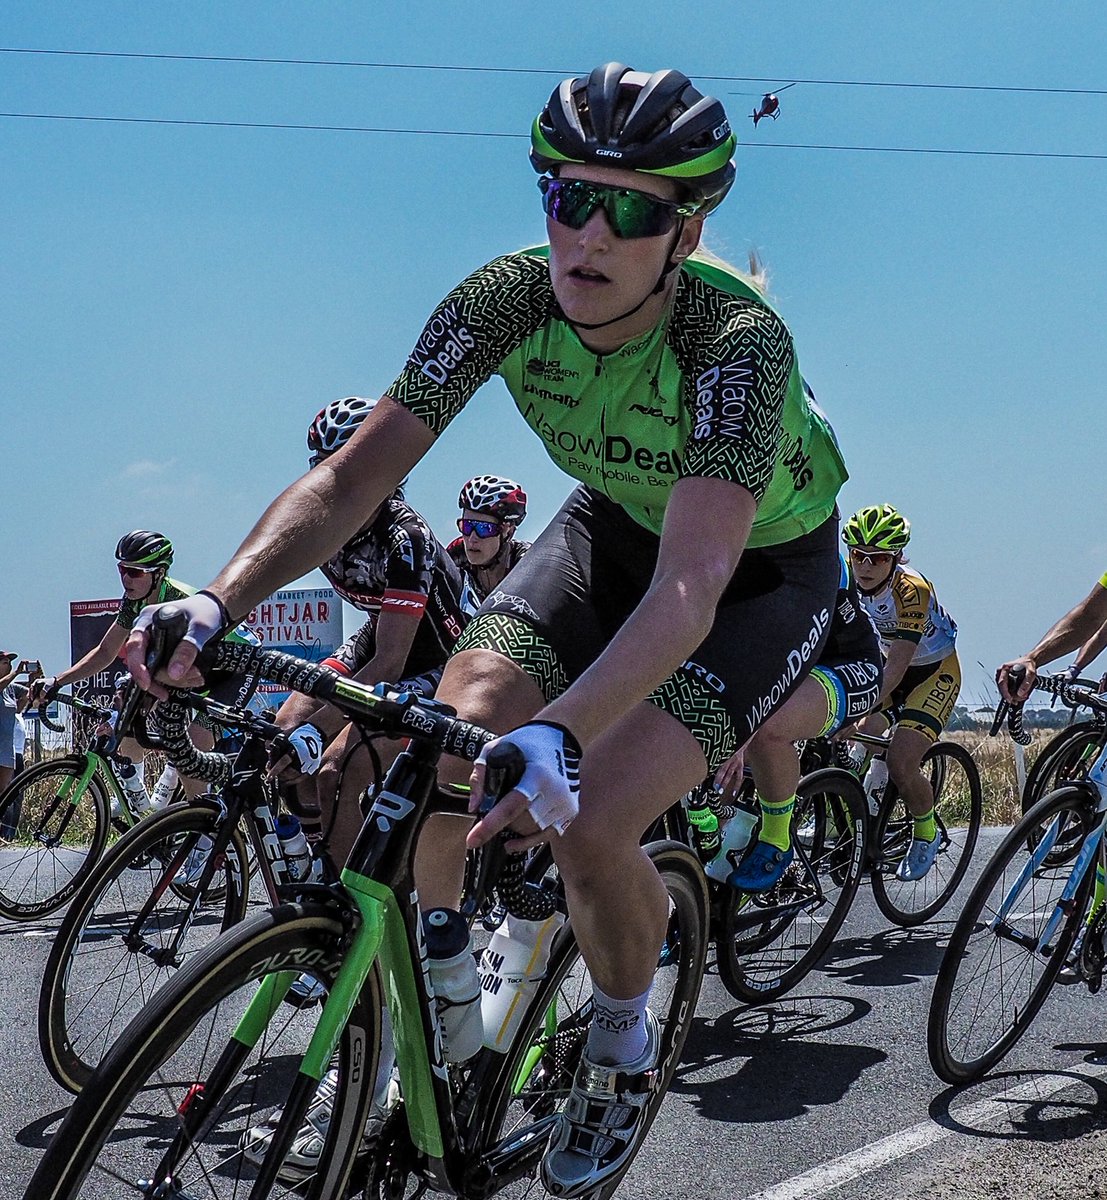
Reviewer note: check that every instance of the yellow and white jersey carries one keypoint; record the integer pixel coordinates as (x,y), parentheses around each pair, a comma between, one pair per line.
(906,609)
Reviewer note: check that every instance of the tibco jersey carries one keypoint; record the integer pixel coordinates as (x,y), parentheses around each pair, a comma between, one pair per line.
(397,565)
(473,595)
(906,608)
(714,390)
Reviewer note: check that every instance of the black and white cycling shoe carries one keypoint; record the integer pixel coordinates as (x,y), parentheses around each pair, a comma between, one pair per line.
(602,1122)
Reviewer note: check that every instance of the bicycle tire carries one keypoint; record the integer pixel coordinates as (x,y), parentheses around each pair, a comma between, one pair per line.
(972,1025)
(102,968)
(142,1096)
(958,810)
(828,832)
(37,878)
(527,1087)
(1062,759)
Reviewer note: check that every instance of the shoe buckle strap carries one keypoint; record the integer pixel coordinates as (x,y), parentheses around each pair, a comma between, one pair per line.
(614,1081)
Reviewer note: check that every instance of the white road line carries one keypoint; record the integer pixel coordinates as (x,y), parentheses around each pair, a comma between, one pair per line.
(847,1167)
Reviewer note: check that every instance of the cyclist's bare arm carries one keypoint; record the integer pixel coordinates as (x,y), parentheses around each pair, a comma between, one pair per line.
(1092,648)
(695,562)
(99,657)
(1070,632)
(895,667)
(307,523)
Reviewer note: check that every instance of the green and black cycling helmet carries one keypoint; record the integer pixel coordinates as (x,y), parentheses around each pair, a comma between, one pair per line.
(143,548)
(877,526)
(659,124)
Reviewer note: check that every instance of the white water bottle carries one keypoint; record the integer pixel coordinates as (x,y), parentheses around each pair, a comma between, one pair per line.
(165,788)
(876,780)
(297,852)
(453,975)
(511,968)
(134,791)
(735,837)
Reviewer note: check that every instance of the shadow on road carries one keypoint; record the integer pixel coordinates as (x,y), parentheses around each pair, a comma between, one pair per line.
(891,958)
(755,1065)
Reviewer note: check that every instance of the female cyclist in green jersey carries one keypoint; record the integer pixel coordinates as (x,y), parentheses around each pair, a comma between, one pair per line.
(679,596)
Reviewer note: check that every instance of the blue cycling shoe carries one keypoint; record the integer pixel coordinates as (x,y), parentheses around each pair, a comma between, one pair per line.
(762,868)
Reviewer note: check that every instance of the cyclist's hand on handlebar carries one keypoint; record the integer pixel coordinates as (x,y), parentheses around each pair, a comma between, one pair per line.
(1016,695)
(297,754)
(546,798)
(205,620)
(43,690)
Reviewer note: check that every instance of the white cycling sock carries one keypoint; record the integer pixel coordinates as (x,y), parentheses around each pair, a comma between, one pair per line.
(618,1033)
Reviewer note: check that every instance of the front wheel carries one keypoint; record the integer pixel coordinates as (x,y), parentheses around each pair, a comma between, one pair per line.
(998,967)
(958,806)
(190,1092)
(53,828)
(523,1090)
(767,943)
(128,930)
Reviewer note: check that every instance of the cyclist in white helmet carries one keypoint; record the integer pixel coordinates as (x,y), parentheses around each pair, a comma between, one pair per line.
(492,509)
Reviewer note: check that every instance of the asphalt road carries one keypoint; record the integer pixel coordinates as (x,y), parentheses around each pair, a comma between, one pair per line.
(827,1092)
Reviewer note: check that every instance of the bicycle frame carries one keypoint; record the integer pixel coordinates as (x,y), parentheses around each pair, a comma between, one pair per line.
(1097,779)
(381,906)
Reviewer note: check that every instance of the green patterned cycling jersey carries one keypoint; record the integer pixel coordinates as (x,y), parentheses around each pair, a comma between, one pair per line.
(714,390)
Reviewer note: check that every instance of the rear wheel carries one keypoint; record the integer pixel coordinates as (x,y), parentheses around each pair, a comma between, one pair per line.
(181,1101)
(767,943)
(958,805)
(1063,760)
(994,978)
(53,828)
(129,929)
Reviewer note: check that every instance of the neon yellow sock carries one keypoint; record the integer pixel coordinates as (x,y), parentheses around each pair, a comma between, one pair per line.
(926,828)
(776,823)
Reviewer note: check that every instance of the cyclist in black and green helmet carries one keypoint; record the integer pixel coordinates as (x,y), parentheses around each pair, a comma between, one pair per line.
(678,598)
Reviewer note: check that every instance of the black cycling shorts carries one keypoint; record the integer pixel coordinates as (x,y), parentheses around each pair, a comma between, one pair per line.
(589,569)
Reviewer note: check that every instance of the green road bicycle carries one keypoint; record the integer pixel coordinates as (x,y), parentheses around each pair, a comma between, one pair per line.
(157,896)
(63,812)
(173,1108)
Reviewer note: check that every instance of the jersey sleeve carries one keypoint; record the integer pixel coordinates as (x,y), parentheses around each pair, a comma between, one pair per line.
(737,358)
(912,600)
(409,570)
(470,334)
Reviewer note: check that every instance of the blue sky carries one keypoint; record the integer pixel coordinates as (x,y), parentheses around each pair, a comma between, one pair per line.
(179,300)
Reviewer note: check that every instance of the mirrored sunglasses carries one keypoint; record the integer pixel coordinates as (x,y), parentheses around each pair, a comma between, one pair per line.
(631,214)
(483,529)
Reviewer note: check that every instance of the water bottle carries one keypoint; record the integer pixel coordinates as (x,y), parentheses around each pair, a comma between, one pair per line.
(876,780)
(704,823)
(456,983)
(511,968)
(735,837)
(165,788)
(297,852)
(133,790)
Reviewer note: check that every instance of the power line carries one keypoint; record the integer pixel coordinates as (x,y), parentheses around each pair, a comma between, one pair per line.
(479,133)
(394,66)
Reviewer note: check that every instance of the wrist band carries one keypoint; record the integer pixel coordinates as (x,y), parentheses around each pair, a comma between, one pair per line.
(225,616)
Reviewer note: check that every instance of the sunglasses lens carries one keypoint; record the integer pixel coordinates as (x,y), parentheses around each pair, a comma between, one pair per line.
(483,529)
(630,214)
